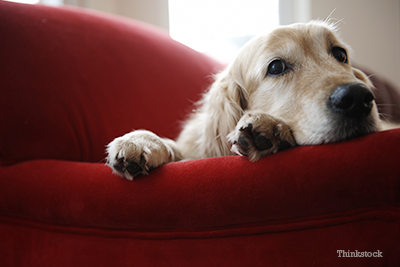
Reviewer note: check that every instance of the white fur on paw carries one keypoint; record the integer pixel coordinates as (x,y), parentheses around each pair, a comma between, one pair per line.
(136,153)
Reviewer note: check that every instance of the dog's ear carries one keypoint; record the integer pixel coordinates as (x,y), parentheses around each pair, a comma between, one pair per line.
(243,99)
(235,92)
(227,97)
(222,107)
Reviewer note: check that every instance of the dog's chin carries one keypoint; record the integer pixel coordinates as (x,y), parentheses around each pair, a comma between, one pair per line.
(338,131)
(349,130)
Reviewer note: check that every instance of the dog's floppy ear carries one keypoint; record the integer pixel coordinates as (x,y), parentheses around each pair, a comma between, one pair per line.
(232,84)
(227,98)
(222,108)
(242,76)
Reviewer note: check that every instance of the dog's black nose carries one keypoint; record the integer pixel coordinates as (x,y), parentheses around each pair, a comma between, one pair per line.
(352,100)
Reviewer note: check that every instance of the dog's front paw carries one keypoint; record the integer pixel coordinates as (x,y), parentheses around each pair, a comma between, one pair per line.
(136,153)
(259,134)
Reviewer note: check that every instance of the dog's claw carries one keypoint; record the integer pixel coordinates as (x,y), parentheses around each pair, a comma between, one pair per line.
(243,143)
(118,168)
(246,128)
(133,168)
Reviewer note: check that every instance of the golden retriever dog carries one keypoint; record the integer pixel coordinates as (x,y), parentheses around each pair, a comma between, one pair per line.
(293,86)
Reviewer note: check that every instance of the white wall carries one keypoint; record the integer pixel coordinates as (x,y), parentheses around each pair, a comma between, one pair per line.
(371,28)
(152,11)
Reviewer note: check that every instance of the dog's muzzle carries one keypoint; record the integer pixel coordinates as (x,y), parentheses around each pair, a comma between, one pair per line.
(352,100)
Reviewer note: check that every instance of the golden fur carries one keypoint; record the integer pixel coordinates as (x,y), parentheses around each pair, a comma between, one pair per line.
(250,112)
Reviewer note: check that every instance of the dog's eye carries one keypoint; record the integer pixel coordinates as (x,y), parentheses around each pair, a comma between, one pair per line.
(277,67)
(340,54)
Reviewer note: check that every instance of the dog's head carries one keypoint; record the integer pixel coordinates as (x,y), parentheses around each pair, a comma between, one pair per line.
(302,74)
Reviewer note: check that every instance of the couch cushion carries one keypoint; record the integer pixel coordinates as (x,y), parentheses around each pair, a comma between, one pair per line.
(295,208)
(72,80)
(213,192)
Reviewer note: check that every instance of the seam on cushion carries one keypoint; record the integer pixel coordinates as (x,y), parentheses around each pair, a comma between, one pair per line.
(390,215)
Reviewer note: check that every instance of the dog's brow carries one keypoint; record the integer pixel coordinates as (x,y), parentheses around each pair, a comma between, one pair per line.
(332,40)
(287,43)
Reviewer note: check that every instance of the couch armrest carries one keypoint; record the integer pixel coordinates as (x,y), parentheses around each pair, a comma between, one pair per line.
(333,197)
(72,80)
(210,193)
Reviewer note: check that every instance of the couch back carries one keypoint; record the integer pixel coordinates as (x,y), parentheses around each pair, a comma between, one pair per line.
(72,80)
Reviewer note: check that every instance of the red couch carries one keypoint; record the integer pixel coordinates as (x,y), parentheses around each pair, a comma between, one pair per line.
(72,80)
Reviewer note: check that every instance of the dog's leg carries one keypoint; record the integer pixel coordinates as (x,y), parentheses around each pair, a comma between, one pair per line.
(258,134)
(138,152)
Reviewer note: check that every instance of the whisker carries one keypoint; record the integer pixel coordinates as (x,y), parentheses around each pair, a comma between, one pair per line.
(367,78)
(372,75)
(328,18)
(338,21)
(390,105)
(385,116)
(334,22)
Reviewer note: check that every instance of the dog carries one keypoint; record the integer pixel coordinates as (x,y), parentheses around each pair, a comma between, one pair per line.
(294,86)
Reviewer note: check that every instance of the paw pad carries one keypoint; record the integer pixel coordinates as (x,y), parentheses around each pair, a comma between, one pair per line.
(260,135)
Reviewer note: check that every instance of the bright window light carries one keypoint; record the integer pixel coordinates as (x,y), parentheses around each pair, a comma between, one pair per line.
(45,2)
(25,1)
(220,27)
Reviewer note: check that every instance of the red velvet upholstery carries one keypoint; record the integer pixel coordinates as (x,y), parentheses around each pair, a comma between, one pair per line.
(73,80)
(83,79)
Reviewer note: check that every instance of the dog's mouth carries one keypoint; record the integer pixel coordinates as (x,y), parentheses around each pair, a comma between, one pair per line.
(338,130)
(350,113)
(346,129)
